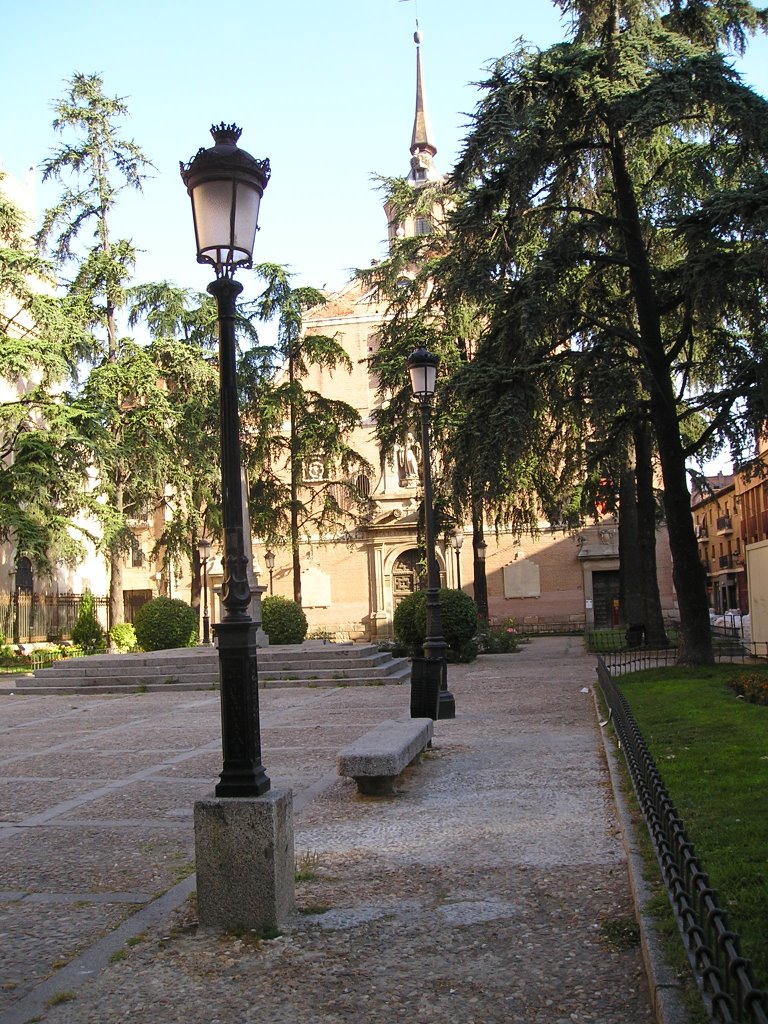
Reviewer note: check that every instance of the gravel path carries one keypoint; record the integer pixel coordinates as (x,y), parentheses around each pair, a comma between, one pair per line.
(492,887)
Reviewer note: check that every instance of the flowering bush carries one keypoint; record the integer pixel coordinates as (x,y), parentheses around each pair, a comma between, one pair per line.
(752,686)
(502,639)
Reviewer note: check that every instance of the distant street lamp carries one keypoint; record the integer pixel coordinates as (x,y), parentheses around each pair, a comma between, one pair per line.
(269,561)
(226,185)
(204,550)
(457,539)
(482,551)
(430,697)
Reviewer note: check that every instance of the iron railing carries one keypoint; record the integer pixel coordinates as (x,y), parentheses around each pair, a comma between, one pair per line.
(726,649)
(722,973)
(32,618)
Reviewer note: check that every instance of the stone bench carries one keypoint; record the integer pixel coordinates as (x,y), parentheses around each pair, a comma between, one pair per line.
(376,759)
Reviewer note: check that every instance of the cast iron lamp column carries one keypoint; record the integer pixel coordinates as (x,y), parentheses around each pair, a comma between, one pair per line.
(432,690)
(457,539)
(204,547)
(269,561)
(226,185)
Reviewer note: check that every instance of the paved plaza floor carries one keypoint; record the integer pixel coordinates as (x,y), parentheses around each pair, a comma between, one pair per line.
(490,888)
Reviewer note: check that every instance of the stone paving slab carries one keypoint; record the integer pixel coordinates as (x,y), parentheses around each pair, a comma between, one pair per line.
(480,892)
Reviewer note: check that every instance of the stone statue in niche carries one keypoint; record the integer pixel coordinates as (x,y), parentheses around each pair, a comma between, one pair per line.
(408,458)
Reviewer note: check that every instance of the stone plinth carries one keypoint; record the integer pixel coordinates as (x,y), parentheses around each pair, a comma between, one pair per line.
(245,861)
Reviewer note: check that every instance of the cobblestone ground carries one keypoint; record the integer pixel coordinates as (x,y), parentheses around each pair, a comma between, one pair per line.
(492,887)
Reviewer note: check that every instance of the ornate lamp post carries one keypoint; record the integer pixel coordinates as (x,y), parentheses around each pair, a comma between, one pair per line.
(269,561)
(457,539)
(204,550)
(226,185)
(430,697)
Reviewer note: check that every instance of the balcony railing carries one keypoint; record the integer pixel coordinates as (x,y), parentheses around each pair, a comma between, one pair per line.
(724,524)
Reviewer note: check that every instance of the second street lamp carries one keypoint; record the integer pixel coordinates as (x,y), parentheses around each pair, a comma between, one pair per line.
(204,550)
(225,185)
(457,539)
(269,561)
(430,697)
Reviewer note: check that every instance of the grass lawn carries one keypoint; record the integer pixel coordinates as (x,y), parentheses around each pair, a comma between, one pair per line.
(711,748)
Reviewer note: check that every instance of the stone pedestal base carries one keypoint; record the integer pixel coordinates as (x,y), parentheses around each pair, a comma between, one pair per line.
(245,861)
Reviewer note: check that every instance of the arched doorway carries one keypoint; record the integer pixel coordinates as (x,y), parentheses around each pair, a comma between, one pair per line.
(25,581)
(408,575)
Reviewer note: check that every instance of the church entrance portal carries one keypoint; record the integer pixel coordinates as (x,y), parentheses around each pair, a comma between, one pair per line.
(408,575)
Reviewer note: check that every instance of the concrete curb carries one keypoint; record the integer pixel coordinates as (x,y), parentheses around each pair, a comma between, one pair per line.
(666,991)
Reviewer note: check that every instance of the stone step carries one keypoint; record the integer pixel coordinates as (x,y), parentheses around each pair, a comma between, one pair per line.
(311,664)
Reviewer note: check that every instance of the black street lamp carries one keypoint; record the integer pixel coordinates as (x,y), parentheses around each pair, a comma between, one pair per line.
(430,697)
(269,561)
(457,539)
(204,550)
(226,185)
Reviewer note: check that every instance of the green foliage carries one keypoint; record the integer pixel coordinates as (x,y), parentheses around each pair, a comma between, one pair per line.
(407,621)
(165,623)
(458,617)
(87,632)
(709,747)
(752,686)
(6,651)
(123,637)
(283,620)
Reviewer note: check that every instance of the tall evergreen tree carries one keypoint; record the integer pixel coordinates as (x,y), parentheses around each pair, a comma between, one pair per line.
(41,461)
(94,165)
(604,160)
(319,428)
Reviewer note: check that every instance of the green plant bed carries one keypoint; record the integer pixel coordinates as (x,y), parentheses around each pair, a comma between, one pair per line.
(711,748)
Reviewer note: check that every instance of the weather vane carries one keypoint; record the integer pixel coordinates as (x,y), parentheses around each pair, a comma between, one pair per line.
(415,8)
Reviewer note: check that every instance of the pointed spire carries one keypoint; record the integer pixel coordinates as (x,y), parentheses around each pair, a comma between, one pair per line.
(423,148)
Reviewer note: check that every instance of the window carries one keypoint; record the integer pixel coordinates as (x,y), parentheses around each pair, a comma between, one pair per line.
(363,485)
(423,226)
(137,555)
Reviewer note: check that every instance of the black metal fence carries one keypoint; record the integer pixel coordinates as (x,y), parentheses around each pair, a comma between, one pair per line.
(34,618)
(722,973)
(728,649)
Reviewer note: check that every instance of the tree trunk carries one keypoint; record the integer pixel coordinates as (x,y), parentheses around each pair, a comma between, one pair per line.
(689,579)
(480,581)
(295,484)
(116,555)
(652,615)
(631,568)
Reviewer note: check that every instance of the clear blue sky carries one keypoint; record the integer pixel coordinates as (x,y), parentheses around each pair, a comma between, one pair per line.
(325,90)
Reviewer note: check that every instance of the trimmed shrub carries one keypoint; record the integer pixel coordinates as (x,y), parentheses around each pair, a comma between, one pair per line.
(123,637)
(458,618)
(283,620)
(87,632)
(165,622)
(408,623)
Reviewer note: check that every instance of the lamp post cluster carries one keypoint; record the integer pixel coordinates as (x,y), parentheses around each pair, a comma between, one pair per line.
(225,185)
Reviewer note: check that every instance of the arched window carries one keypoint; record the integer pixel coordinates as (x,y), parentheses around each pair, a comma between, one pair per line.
(24,578)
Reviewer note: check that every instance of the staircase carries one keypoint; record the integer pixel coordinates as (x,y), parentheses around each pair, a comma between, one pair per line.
(313,663)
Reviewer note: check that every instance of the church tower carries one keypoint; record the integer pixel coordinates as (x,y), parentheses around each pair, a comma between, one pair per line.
(423,170)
